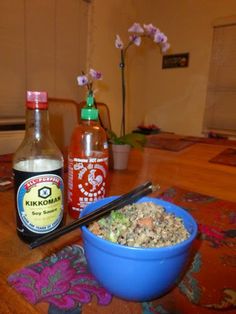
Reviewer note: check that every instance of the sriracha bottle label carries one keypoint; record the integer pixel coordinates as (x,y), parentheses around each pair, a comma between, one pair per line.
(86,182)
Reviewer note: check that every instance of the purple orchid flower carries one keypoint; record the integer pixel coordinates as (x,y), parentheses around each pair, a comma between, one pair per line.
(165,47)
(150,29)
(118,42)
(160,37)
(87,79)
(95,74)
(136,28)
(82,80)
(135,39)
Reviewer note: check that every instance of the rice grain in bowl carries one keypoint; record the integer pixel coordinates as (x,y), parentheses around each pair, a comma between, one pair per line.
(143,224)
(137,273)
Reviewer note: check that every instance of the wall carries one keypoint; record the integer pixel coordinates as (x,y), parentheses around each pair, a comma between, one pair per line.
(43,45)
(174,99)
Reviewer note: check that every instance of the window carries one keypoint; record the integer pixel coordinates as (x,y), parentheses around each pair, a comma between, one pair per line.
(220,114)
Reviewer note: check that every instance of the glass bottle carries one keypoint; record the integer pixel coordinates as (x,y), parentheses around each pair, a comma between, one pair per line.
(38,174)
(87,161)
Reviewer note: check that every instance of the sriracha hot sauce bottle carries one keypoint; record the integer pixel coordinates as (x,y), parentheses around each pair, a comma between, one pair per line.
(87,161)
(38,174)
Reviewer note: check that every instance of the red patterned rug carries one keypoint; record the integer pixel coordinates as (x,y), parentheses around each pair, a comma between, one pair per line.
(170,144)
(209,286)
(227,157)
(215,141)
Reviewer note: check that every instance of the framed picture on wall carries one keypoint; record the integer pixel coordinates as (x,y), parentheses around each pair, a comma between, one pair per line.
(180,60)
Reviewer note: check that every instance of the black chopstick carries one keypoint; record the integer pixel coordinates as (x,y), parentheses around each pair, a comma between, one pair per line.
(125,199)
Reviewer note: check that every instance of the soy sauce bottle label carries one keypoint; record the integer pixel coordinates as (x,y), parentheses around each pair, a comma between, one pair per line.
(39,201)
(87,180)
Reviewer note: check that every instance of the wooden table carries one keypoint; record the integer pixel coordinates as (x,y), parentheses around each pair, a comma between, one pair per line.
(188,169)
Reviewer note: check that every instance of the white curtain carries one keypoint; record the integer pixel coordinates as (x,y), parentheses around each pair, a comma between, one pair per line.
(42,47)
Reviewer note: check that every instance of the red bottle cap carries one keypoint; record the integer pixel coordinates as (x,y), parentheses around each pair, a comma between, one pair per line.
(37,100)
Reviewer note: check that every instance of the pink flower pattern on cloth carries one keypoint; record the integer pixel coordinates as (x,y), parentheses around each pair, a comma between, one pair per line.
(62,280)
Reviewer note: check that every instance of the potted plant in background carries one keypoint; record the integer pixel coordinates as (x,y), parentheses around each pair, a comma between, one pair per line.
(120,148)
(121,144)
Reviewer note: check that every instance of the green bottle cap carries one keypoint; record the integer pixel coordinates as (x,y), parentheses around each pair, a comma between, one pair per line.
(89,112)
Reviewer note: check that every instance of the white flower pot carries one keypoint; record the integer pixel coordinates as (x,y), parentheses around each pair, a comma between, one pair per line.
(120,154)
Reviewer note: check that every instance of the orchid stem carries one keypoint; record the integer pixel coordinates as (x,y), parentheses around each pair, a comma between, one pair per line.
(122,67)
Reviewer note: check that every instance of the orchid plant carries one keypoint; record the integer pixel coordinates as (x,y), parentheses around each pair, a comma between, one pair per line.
(137,33)
(88,79)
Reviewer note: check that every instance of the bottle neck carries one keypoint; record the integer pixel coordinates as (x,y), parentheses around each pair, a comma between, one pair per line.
(37,123)
(89,122)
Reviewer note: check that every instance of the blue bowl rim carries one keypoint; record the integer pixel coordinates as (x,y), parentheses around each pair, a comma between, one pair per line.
(165,204)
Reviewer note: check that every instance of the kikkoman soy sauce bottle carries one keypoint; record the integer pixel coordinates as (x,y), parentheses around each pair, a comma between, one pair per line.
(87,161)
(38,174)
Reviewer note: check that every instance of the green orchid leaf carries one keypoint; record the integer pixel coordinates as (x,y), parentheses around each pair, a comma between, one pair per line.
(135,140)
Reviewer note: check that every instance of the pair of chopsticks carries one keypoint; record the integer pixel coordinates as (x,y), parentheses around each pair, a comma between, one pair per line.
(123,200)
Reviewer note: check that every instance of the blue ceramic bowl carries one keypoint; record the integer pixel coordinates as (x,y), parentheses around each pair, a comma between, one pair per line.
(138,274)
